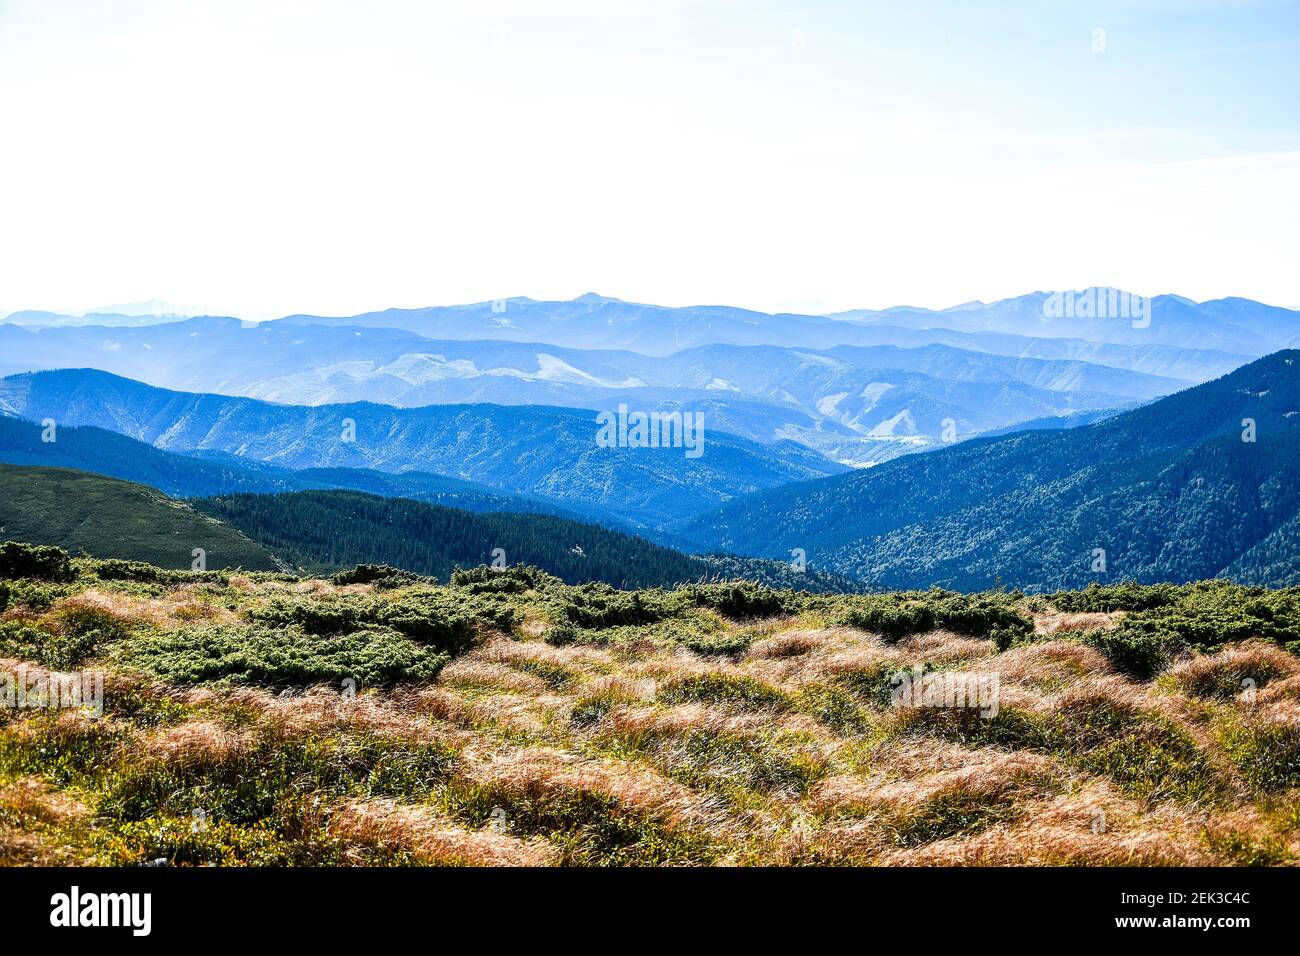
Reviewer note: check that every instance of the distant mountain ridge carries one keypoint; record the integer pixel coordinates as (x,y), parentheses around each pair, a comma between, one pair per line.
(854,404)
(326,531)
(1234,325)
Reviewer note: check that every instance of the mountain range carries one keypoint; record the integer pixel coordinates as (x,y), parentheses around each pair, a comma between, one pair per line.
(532,450)
(905,447)
(1234,325)
(874,392)
(320,532)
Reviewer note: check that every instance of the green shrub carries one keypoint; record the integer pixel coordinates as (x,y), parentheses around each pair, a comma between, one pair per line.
(1139,648)
(516,579)
(115,569)
(599,605)
(740,600)
(717,645)
(382,576)
(18,560)
(64,641)
(448,622)
(890,617)
(282,657)
(33,595)
(24,641)
(895,616)
(734,690)
(1126,596)
(561,635)
(980,615)
(1206,614)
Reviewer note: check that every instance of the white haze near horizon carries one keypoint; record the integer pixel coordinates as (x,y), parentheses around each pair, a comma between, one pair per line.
(264,158)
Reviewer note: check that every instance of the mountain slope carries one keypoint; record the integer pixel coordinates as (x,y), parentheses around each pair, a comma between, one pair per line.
(107,518)
(321,531)
(1169,491)
(551,452)
(117,456)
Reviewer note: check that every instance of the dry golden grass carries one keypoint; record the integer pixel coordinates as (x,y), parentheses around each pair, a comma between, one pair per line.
(199,743)
(29,798)
(984,773)
(31,815)
(1048,666)
(1241,669)
(1091,827)
(434,840)
(541,774)
(1056,622)
(782,645)
(472,672)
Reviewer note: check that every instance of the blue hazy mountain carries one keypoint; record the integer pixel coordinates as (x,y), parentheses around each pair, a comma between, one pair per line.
(545,451)
(1234,325)
(1169,491)
(859,388)
(1231,326)
(854,404)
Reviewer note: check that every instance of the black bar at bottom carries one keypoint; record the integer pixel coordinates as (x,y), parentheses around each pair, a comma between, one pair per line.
(206,905)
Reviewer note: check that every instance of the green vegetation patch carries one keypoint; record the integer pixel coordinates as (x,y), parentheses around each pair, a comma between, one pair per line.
(1137,647)
(447,621)
(1204,615)
(958,813)
(1267,754)
(736,691)
(46,563)
(895,616)
(281,657)
(588,828)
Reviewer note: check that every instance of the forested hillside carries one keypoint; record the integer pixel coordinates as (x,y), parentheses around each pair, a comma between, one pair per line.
(321,531)
(1169,492)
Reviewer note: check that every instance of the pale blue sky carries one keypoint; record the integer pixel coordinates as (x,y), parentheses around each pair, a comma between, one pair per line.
(260,157)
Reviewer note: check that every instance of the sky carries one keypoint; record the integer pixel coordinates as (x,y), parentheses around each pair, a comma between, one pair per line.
(261,158)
